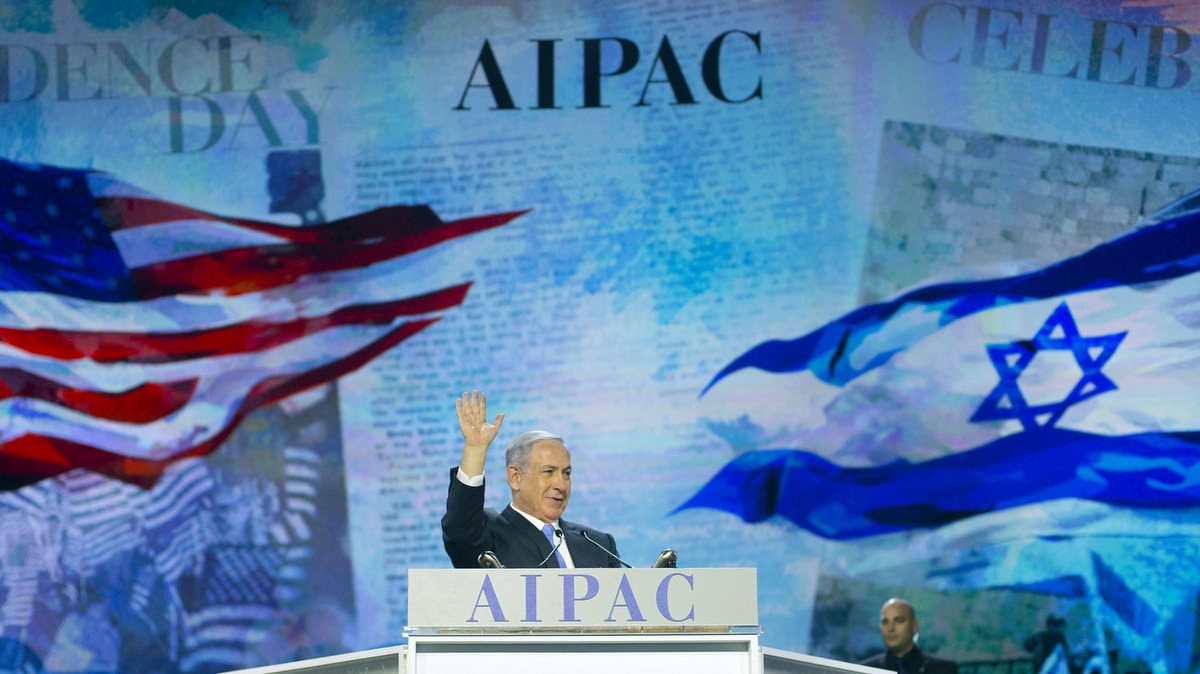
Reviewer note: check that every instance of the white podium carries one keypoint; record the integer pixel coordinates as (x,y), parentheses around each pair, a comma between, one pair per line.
(578,621)
(583,621)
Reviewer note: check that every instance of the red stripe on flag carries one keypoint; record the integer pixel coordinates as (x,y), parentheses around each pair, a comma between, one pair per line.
(277,388)
(138,405)
(255,268)
(141,405)
(130,212)
(139,347)
(30,458)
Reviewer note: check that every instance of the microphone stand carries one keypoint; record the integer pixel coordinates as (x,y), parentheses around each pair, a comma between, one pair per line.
(559,535)
(606,550)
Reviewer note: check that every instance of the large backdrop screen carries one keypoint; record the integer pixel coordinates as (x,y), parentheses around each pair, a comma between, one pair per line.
(879,297)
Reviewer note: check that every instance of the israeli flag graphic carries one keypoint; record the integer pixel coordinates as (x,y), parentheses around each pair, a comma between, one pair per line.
(1080,380)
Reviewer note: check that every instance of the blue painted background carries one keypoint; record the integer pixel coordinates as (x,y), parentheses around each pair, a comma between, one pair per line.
(895,145)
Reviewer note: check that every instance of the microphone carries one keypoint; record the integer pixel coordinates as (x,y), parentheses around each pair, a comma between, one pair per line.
(606,551)
(666,559)
(559,536)
(489,560)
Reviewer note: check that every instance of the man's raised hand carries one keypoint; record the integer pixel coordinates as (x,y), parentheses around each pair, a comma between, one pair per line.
(472,420)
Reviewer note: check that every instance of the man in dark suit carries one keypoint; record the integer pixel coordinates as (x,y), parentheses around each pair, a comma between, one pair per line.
(530,532)
(899,625)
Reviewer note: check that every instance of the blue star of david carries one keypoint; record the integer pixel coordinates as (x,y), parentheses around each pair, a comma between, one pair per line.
(1058,333)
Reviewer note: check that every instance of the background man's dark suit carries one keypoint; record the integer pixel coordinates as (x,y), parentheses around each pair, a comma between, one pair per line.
(469,529)
(916,662)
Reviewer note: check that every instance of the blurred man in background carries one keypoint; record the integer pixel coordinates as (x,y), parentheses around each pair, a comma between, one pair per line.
(899,626)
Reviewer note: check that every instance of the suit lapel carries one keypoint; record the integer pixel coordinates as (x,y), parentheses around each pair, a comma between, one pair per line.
(531,538)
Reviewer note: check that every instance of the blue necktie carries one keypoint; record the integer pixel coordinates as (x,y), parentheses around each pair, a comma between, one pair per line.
(549,531)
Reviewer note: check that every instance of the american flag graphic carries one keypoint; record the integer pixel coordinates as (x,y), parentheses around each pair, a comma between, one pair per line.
(135,332)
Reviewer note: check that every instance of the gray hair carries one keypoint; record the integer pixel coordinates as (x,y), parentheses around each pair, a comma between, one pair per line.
(521,447)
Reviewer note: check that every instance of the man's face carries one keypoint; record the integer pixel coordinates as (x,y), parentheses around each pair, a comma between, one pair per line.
(897,626)
(544,489)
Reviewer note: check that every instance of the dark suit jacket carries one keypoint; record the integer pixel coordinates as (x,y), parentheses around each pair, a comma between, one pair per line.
(469,529)
(928,664)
